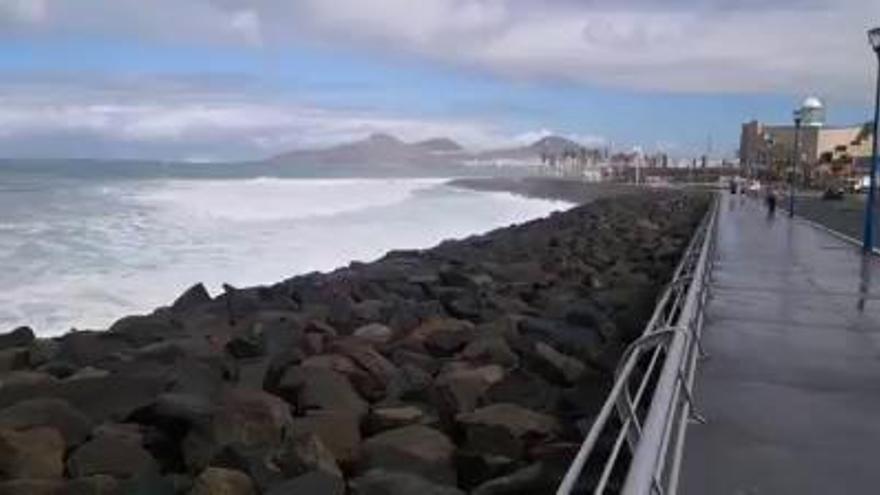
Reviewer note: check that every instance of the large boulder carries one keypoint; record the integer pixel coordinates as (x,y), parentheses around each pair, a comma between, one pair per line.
(194,297)
(579,342)
(534,478)
(567,369)
(525,389)
(42,351)
(266,372)
(441,336)
(140,330)
(25,378)
(113,397)
(14,358)
(338,431)
(506,429)
(381,374)
(111,455)
(490,349)
(315,482)
(33,453)
(248,342)
(304,453)
(375,333)
(91,485)
(220,481)
(309,388)
(245,417)
(382,482)
(20,337)
(463,387)
(188,408)
(73,425)
(414,449)
(391,417)
(365,384)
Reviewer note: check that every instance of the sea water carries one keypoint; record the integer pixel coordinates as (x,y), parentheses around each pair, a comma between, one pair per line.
(81,252)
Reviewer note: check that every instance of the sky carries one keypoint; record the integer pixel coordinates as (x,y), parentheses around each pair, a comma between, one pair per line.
(206,80)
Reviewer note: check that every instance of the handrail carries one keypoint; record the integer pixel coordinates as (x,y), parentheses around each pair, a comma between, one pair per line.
(659,368)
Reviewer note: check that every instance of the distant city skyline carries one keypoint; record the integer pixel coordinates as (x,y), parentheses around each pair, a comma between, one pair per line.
(236,80)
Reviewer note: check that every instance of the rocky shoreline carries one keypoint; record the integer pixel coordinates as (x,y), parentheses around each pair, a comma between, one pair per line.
(572,191)
(471,367)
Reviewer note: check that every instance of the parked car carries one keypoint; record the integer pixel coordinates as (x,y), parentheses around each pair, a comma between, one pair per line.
(834,193)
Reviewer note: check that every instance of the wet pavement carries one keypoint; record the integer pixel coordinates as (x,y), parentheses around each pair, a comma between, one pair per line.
(791,388)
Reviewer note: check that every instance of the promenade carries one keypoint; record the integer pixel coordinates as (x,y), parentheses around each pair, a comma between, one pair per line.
(791,389)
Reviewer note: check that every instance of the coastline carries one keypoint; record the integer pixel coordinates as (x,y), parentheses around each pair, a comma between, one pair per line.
(572,191)
(461,368)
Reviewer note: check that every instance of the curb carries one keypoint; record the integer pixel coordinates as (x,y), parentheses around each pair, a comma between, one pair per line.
(840,235)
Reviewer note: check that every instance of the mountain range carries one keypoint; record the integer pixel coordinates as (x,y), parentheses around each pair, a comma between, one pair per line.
(385,154)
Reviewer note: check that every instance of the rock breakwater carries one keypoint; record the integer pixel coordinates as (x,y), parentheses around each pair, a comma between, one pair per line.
(471,367)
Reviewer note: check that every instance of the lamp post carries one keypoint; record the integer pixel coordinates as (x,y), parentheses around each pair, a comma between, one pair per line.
(868,237)
(798,114)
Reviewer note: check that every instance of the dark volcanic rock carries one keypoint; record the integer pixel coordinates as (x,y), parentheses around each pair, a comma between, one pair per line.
(504,344)
(33,453)
(14,358)
(220,481)
(91,485)
(314,482)
(245,417)
(111,455)
(194,297)
(112,397)
(309,388)
(382,482)
(73,425)
(414,449)
(142,330)
(506,429)
(338,431)
(531,479)
(304,453)
(20,337)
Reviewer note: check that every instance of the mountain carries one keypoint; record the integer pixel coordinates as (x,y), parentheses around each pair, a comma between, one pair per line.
(554,145)
(439,145)
(386,155)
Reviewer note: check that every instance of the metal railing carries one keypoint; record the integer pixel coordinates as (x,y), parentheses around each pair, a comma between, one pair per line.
(635,444)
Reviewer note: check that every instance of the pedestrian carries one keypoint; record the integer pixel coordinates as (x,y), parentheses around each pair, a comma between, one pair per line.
(771,201)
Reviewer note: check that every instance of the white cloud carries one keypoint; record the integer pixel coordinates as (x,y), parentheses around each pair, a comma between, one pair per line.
(247,22)
(790,46)
(25,11)
(179,122)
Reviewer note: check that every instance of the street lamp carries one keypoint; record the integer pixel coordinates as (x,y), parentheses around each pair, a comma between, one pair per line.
(868,238)
(798,117)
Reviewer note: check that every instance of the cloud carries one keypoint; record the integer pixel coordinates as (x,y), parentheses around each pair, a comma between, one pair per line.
(23,11)
(679,46)
(178,119)
(788,46)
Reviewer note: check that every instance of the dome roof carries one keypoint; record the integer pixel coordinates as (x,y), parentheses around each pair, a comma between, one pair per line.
(812,103)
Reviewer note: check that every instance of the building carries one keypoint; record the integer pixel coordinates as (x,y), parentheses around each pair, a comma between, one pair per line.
(826,152)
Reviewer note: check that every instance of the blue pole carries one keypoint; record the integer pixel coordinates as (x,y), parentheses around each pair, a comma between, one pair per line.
(868,237)
(794,165)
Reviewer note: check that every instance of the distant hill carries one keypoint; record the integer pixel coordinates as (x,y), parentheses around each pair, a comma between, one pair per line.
(440,145)
(383,154)
(554,145)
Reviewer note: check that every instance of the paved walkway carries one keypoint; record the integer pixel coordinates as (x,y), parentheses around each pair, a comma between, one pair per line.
(791,390)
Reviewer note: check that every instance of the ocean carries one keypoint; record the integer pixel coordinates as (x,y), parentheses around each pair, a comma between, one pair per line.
(82,251)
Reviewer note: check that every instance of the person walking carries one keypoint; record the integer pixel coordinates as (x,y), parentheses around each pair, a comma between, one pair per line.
(771,201)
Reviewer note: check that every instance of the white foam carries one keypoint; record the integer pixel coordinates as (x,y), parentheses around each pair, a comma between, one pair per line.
(268,198)
(153,240)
